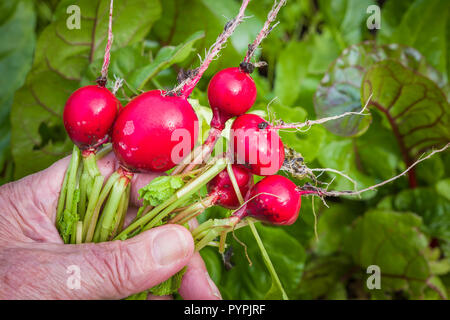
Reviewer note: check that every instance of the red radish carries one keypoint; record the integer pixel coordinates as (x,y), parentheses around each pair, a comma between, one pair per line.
(221,187)
(275,200)
(220,192)
(257,145)
(231,92)
(142,134)
(89,114)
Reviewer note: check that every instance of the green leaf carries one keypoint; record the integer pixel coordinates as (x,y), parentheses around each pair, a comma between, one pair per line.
(252,282)
(339,154)
(440,267)
(298,61)
(377,151)
(339,90)
(436,290)
(334,225)
(291,70)
(307,143)
(160,189)
(170,286)
(17,37)
(213,262)
(61,58)
(426,203)
(68,219)
(414,106)
(322,276)
(392,241)
(347,18)
(180,19)
(421,24)
(166,57)
(138,296)
(123,62)
(276,291)
(431,171)
(443,188)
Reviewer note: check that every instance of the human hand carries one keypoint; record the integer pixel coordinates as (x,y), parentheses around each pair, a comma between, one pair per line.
(34,261)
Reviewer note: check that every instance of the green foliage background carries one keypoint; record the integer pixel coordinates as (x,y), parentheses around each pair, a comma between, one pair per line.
(406,232)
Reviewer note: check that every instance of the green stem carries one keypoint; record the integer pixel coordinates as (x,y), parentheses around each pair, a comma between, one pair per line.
(186,219)
(62,195)
(89,187)
(84,180)
(201,235)
(124,209)
(193,210)
(235,184)
(107,148)
(104,193)
(93,199)
(90,163)
(211,235)
(139,223)
(72,179)
(222,241)
(79,232)
(163,214)
(74,234)
(178,198)
(267,260)
(204,226)
(110,211)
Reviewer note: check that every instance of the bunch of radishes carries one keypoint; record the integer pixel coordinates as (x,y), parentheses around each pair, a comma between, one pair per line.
(143,136)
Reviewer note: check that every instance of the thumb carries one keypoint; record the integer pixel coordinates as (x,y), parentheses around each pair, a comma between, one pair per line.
(112,270)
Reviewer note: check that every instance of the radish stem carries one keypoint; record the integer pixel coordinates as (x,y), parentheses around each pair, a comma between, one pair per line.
(93,199)
(110,211)
(79,232)
(84,180)
(62,195)
(71,180)
(90,163)
(161,211)
(104,193)
(267,260)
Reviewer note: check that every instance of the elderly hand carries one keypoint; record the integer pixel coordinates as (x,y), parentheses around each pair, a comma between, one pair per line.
(35,264)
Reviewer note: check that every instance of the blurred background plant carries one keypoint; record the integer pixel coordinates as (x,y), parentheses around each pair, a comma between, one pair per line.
(322,60)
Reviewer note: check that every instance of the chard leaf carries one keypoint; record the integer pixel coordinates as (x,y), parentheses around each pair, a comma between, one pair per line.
(432,207)
(414,107)
(339,90)
(421,24)
(393,242)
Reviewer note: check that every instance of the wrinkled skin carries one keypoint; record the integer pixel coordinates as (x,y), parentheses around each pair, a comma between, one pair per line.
(34,261)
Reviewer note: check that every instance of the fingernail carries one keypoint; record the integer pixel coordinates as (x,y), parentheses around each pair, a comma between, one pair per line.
(214,291)
(169,246)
